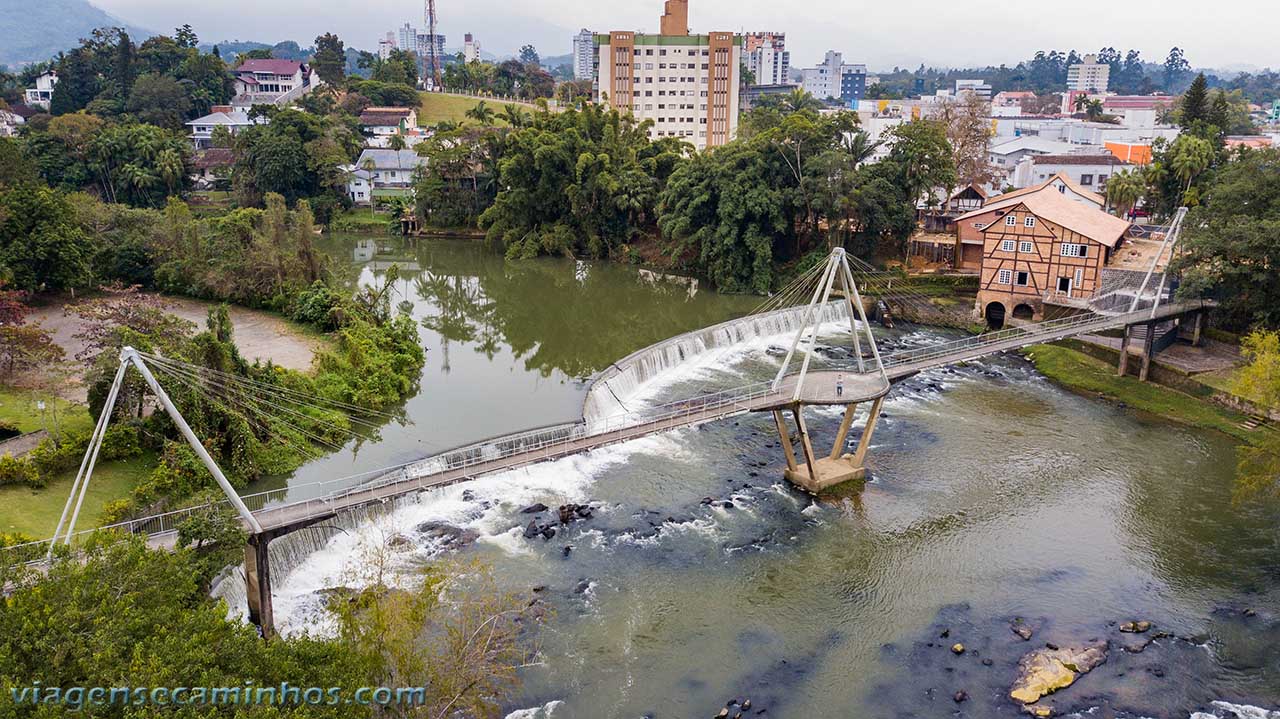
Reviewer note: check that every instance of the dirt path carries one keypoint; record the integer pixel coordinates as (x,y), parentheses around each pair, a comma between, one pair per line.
(259,335)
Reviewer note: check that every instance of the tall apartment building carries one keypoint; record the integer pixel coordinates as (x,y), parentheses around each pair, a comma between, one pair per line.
(767,57)
(470,48)
(687,84)
(407,38)
(836,80)
(1089,77)
(386,45)
(584,52)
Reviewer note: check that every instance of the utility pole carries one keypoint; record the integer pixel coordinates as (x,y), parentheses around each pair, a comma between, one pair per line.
(433,55)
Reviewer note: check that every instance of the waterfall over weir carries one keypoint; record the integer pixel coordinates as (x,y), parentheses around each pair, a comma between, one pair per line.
(611,388)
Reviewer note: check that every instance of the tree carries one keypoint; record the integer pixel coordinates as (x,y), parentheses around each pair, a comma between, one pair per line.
(186,37)
(140,165)
(1195,103)
(969,132)
(1230,248)
(1124,189)
(1176,68)
(481,113)
(1189,157)
(529,55)
(40,247)
(924,159)
(330,60)
(159,100)
(124,72)
(1259,382)
(77,83)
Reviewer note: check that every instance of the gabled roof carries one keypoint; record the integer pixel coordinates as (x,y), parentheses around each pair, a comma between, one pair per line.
(1090,222)
(275,67)
(391,159)
(1033,143)
(1008,199)
(384,116)
(213,157)
(1105,158)
(235,117)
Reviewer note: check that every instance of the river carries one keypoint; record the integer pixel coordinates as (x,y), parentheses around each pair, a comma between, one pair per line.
(994,495)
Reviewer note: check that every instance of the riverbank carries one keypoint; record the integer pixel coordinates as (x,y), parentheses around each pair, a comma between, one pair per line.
(1088,376)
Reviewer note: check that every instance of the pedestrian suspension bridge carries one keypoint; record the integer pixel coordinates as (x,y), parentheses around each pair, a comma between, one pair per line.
(861,374)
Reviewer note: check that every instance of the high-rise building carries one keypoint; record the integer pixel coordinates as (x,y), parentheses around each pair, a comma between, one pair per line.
(425,40)
(470,49)
(407,38)
(835,79)
(1089,77)
(584,50)
(386,45)
(687,84)
(977,87)
(767,57)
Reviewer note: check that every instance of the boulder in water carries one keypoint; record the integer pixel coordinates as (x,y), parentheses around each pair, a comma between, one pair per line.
(534,508)
(532,530)
(1044,671)
(399,541)
(1021,630)
(1137,627)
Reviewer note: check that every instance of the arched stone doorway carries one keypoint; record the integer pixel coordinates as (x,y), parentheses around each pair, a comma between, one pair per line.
(995,315)
(1024,312)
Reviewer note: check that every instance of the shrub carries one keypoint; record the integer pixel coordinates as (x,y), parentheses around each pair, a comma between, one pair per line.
(14,470)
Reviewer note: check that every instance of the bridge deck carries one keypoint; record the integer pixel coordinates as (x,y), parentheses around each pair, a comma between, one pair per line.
(819,389)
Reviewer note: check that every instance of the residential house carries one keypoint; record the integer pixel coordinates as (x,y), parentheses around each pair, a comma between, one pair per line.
(277,82)
(970,226)
(212,166)
(234,119)
(382,174)
(1091,171)
(1005,156)
(962,201)
(42,94)
(381,123)
(10,121)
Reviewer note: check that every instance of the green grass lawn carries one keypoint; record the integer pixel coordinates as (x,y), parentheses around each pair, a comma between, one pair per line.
(1082,373)
(35,512)
(437,107)
(19,407)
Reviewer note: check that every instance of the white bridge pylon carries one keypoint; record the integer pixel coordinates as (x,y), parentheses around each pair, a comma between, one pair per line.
(129,356)
(836,271)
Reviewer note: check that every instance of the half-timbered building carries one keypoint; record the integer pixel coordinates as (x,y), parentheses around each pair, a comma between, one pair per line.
(1043,250)
(969,226)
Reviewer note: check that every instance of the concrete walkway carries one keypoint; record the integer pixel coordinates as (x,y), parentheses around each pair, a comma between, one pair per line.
(1212,357)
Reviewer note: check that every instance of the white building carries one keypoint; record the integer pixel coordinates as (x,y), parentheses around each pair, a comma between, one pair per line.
(386,45)
(381,123)
(470,49)
(1090,171)
(977,87)
(823,81)
(407,38)
(10,122)
(271,81)
(767,57)
(382,174)
(1089,76)
(42,94)
(584,49)
(235,119)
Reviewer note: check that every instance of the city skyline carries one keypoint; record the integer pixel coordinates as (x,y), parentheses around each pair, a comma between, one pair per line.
(937,34)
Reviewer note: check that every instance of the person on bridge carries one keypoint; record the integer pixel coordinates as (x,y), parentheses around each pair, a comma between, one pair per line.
(840,385)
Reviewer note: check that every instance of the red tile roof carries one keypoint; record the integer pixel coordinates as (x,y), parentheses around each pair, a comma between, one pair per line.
(275,67)
(1103,159)
(214,157)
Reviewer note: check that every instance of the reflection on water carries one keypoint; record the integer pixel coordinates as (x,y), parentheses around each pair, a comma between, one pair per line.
(702,577)
(509,344)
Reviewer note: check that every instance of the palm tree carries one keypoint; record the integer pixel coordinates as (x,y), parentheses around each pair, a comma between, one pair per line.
(1124,190)
(482,113)
(1082,101)
(514,116)
(397,142)
(1191,156)
(798,100)
(1093,110)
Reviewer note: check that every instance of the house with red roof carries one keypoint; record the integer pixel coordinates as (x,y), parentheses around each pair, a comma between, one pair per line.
(262,82)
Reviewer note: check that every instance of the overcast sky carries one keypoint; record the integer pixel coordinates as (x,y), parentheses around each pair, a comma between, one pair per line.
(1223,33)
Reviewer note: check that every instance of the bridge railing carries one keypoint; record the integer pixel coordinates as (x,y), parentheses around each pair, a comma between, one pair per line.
(550,441)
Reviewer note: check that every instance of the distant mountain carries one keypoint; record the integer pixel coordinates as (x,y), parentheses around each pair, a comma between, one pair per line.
(39,30)
(553,61)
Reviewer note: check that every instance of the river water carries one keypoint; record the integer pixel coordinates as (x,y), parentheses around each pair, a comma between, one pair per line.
(994,495)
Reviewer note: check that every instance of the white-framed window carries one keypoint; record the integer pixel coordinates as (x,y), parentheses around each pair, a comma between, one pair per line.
(1072,250)
(1026,247)
(1022,279)
(1004,277)
(1007,245)
(1086,180)
(1029,222)
(1011,221)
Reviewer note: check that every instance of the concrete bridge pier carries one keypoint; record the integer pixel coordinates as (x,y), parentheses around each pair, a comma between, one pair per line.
(837,467)
(257,573)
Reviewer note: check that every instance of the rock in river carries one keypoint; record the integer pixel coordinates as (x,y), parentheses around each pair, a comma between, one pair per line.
(1135,627)
(534,508)
(1044,671)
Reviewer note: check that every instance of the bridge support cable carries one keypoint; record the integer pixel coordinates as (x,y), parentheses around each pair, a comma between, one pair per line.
(808,316)
(80,487)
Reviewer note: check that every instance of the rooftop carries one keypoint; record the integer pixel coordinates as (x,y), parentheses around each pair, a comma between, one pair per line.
(214,157)
(391,159)
(1094,158)
(274,67)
